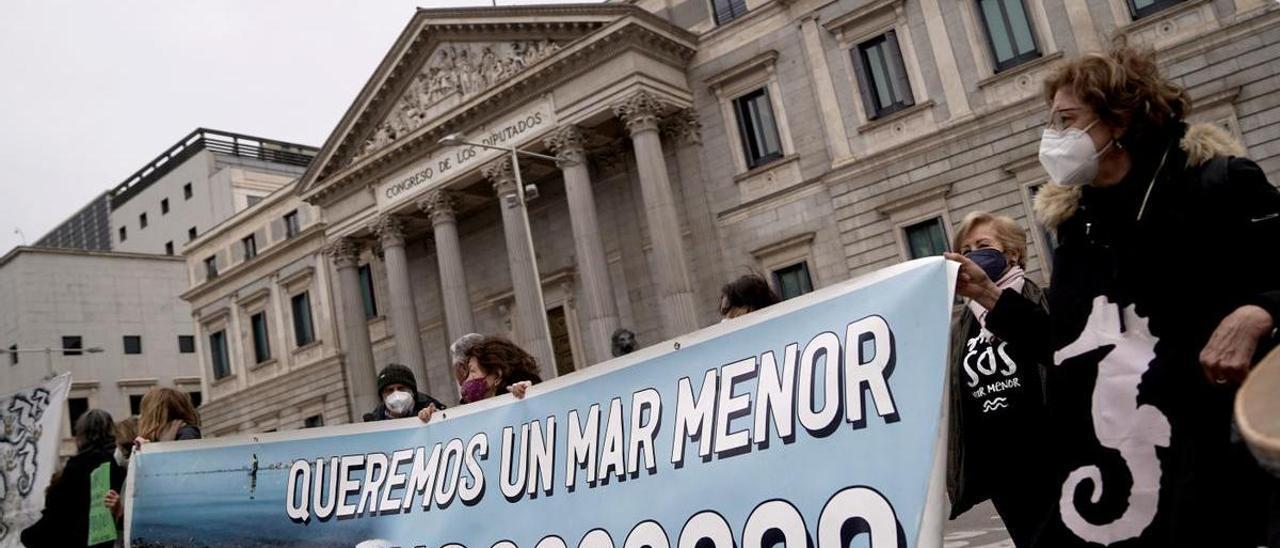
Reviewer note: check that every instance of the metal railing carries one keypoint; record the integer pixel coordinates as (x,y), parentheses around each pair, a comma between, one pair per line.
(220,142)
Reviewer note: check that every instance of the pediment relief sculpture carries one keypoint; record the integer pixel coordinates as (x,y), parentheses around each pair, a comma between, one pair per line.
(461,69)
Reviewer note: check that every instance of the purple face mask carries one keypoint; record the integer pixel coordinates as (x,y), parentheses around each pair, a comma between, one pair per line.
(474,390)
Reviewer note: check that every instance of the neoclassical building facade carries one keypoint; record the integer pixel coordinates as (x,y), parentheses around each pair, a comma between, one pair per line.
(669,146)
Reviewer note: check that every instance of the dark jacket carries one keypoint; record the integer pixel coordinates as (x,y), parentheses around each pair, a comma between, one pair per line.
(64,522)
(1136,293)
(968,482)
(421,401)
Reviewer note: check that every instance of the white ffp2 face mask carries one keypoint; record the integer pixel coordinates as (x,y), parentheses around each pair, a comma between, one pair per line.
(1068,156)
(399,403)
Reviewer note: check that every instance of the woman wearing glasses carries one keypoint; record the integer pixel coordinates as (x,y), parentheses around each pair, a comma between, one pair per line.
(1166,287)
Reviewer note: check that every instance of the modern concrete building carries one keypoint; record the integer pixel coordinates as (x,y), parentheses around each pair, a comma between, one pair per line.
(116,315)
(809,140)
(200,181)
(109,277)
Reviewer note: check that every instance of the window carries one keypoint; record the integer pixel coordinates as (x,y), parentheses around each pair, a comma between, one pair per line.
(211,268)
(291,227)
(13,354)
(253,200)
(926,239)
(314,421)
(1143,8)
(218,355)
(168,248)
(882,76)
(191,233)
(71,346)
(164,206)
(261,343)
(75,408)
(793,281)
(142,220)
(132,344)
(728,10)
(186,191)
(366,292)
(135,404)
(759,130)
(186,344)
(124,233)
(250,246)
(196,398)
(303,334)
(1008,32)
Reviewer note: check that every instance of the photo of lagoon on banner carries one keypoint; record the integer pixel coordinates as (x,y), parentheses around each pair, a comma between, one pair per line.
(815,421)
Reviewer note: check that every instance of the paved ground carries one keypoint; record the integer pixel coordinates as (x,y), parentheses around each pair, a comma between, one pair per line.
(977,528)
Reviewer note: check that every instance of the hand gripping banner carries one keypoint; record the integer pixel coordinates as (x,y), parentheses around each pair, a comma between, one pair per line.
(30,431)
(815,422)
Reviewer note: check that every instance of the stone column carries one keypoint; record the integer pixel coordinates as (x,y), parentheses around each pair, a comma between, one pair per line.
(532,333)
(640,112)
(362,381)
(593,270)
(404,318)
(458,316)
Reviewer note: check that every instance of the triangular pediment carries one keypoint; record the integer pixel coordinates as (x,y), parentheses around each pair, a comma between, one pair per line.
(453,72)
(446,59)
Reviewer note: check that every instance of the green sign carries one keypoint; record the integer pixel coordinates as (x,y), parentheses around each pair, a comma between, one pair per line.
(102,525)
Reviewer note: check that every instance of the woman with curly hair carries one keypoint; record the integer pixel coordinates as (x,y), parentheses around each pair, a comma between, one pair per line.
(495,366)
(1165,291)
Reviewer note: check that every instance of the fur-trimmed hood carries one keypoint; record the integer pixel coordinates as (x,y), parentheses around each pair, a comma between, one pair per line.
(1056,203)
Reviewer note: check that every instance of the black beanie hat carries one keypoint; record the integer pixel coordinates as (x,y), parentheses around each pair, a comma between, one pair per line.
(396,374)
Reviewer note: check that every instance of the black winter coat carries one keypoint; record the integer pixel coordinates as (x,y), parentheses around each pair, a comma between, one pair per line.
(1144,442)
(64,522)
(420,402)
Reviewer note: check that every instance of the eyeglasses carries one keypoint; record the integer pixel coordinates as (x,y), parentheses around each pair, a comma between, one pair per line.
(1059,120)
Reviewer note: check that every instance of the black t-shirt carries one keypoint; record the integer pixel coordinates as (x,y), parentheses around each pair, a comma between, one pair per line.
(1003,406)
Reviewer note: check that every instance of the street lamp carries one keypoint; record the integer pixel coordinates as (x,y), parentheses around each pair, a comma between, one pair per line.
(48,354)
(523,194)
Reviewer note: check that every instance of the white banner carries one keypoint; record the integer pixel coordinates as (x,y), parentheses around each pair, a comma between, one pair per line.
(30,428)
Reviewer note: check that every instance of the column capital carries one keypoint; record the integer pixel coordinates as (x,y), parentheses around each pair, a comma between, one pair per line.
(344,252)
(390,229)
(499,173)
(639,111)
(440,205)
(567,142)
(684,126)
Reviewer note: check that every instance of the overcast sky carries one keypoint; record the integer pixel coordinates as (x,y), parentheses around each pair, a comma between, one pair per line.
(92,91)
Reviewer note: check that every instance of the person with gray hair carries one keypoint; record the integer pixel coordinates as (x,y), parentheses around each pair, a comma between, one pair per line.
(65,518)
(458,354)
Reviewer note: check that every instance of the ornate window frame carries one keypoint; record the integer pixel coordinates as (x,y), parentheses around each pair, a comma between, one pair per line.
(864,23)
(979,43)
(915,208)
(788,252)
(729,85)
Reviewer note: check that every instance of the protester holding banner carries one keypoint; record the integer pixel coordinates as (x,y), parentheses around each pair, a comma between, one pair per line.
(997,413)
(495,366)
(458,354)
(1165,288)
(745,295)
(65,521)
(397,387)
(167,415)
